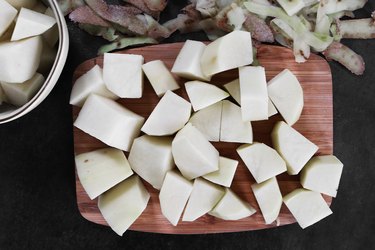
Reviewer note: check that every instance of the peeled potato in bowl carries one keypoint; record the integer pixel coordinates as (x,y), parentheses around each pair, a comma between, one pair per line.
(33,49)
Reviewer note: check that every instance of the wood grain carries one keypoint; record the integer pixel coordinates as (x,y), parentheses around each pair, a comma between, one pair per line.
(316,124)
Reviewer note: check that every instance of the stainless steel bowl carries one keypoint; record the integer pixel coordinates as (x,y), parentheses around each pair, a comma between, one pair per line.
(9,113)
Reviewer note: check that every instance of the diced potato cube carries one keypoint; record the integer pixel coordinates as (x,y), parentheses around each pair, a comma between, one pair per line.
(123,74)
(109,122)
(20,60)
(233,88)
(228,52)
(89,83)
(173,196)
(308,207)
(187,64)
(19,94)
(224,176)
(193,154)
(31,23)
(203,198)
(203,94)
(123,204)
(262,161)
(151,158)
(7,14)
(286,94)
(269,199)
(159,76)
(295,149)
(233,128)
(254,94)
(322,174)
(208,121)
(231,207)
(102,169)
(170,115)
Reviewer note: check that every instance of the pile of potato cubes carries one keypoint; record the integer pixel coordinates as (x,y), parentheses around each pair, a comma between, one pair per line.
(28,37)
(173,136)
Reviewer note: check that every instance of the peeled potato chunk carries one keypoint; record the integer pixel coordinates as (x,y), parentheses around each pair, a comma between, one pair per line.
(122,74)
(174,195)
(231,51)
(322,174)
(203,198)
(295,149)
(109,122)
(286,94)
(254,94)
(231,207)
(233,128)
(89,83)
(123,204)
(203,94)
(208,121)
(193,154)
(160,77)
(19,60)
(151,158)
(31,23)
(269,199)
(233,88)
(308,207)
(170,115)
(262,161)
(187,64)
(19,94)
(224,176)
(102,169)
(7,14)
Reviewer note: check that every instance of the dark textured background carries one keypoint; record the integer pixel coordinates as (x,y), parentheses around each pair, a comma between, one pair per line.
(37,191)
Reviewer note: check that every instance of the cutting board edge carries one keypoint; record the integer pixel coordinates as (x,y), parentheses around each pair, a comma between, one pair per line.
(92,218)
(89,218)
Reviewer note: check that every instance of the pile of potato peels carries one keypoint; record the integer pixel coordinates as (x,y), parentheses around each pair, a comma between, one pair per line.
(305,26)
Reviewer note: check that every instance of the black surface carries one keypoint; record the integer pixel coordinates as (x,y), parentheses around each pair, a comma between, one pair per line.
(38,205)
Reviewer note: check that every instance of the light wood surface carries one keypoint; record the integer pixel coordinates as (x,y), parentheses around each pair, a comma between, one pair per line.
(316,123)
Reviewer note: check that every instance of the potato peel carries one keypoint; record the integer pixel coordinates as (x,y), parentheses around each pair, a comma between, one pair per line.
(345,56)
(121,15)
(86,15)
(357,29)
(141,4)
(317,27)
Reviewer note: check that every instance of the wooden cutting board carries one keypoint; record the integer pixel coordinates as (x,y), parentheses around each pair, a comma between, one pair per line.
(316,123)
